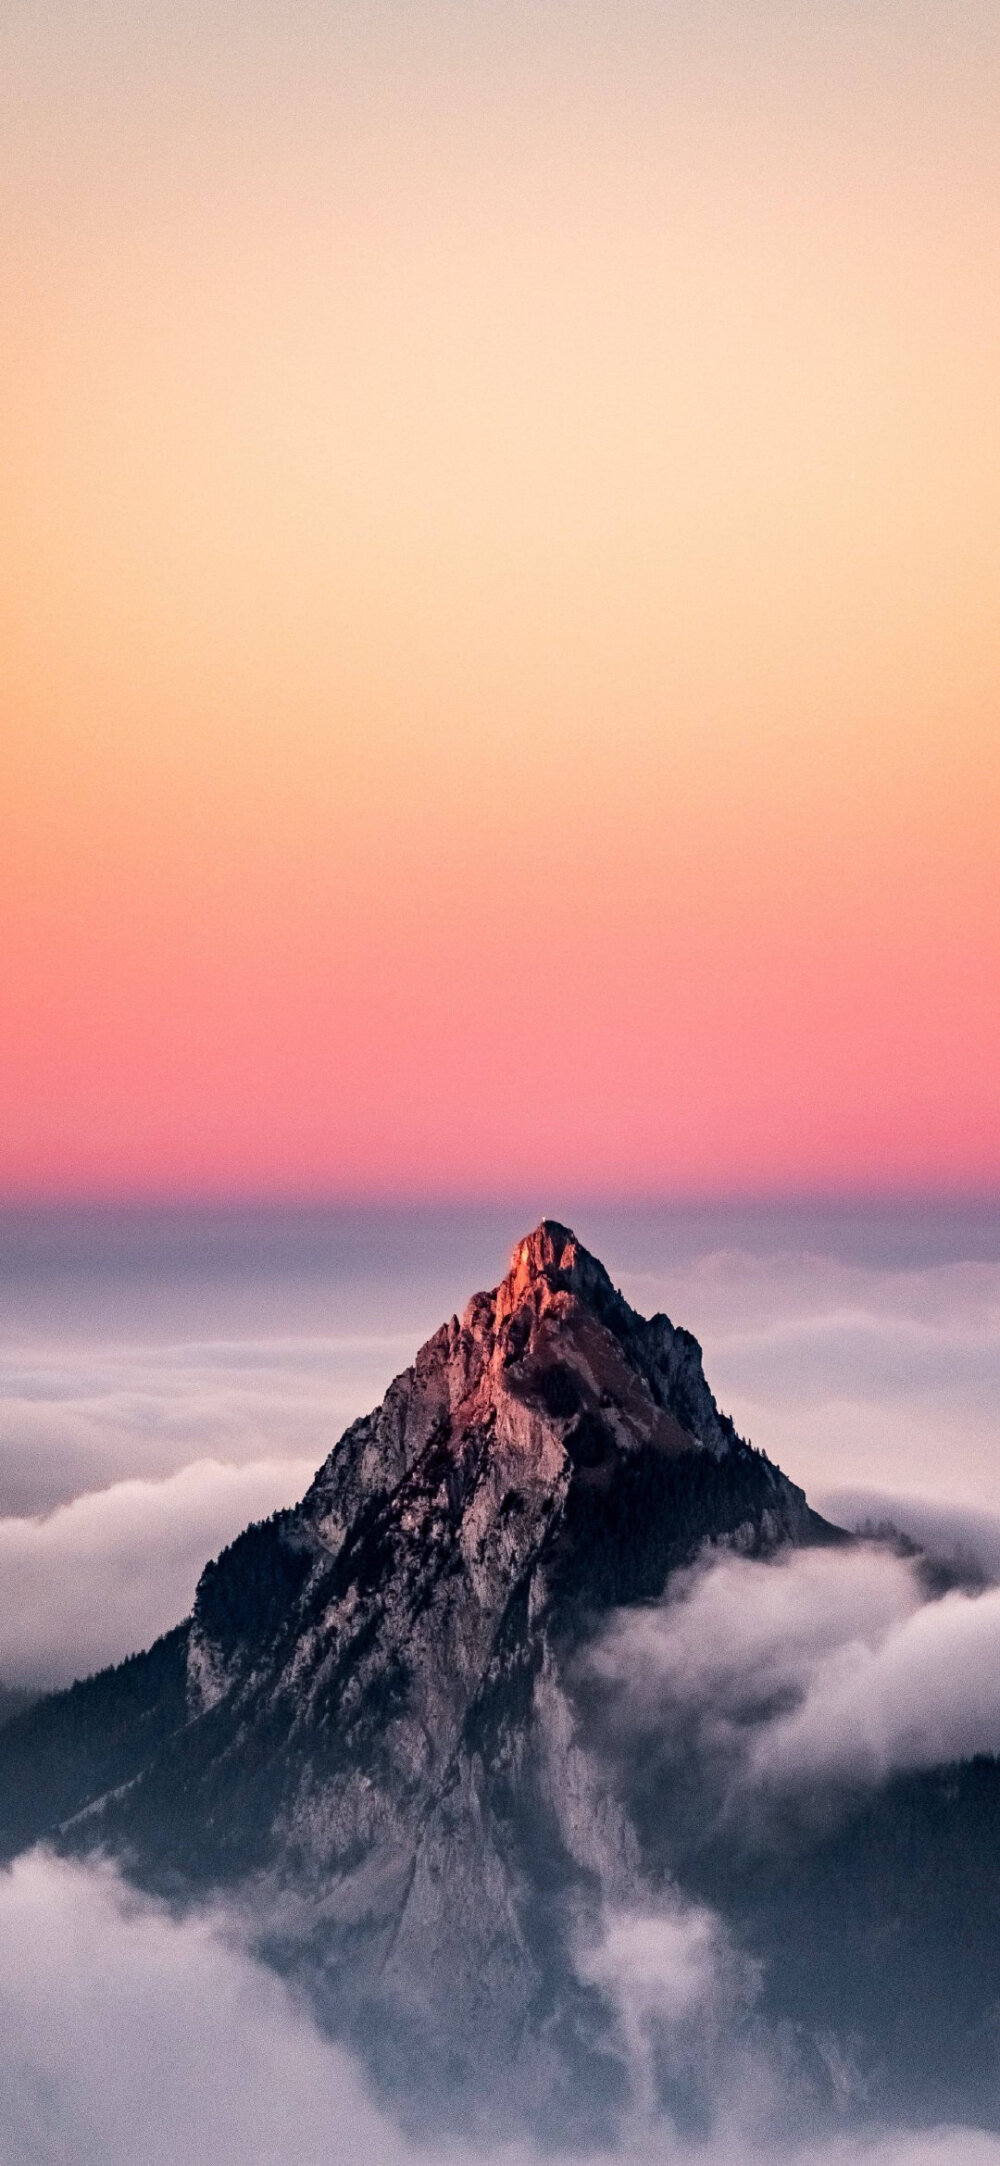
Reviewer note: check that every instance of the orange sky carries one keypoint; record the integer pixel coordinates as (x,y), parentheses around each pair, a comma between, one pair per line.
(500,633)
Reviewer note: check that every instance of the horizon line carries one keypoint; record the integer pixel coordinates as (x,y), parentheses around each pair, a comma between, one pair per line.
(302,1202)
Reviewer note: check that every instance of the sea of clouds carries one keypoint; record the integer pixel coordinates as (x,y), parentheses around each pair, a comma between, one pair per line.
(163,1382)
(133,2037)
(151,1405)
(124,1467)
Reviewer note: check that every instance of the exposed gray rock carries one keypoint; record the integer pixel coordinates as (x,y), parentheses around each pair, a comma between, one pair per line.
(373,1725)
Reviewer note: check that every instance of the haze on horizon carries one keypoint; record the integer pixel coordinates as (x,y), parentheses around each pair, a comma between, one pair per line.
(500,640)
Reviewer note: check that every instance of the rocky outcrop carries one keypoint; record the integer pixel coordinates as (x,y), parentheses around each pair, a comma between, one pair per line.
(374,1725)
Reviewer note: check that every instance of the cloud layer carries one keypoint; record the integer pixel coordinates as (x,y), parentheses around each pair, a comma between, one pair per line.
(129,2037)
(76,1418)
(125,1466)
(964,1537)
(823,1666)
(103,1576)
(843,1369)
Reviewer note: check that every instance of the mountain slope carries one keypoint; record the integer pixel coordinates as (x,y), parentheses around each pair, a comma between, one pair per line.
(366,1715)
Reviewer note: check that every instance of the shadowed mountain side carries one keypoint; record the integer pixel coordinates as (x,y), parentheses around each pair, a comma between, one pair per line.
(879,1938)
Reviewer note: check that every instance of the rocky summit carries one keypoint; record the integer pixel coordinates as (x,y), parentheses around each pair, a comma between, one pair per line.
(368,1723)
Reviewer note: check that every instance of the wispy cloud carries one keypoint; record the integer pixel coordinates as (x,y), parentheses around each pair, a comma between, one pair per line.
(836,1367)
(964,1537)
(820,1667)
(101,1577)
(123,1468)
(130,2034)
(74,1419)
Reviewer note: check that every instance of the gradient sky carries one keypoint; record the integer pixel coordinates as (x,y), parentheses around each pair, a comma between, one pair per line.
(500,630)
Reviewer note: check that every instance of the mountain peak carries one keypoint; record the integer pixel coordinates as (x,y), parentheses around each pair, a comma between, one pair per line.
(557,1361)
(551,1247)
(370,1710)
(548,1261)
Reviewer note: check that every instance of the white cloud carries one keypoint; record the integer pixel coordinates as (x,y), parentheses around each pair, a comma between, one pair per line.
(927,1692)
(838,1368)
(659,1963)
(675,1983)
(132,2037)
(823,1665)
(75,1418)
(103,1576)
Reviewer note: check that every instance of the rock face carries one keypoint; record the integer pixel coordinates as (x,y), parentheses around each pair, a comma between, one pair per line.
(369,1717)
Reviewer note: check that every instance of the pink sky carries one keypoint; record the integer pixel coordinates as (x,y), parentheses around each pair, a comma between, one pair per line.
(501,631)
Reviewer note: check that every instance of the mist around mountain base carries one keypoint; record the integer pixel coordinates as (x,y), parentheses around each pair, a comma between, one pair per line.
(131,2035)
(759,1914)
